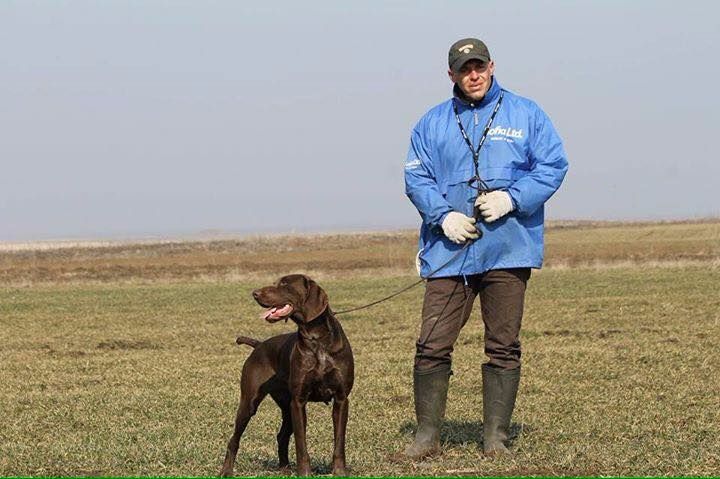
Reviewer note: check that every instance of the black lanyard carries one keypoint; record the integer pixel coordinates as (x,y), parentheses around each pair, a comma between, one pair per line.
(476,153)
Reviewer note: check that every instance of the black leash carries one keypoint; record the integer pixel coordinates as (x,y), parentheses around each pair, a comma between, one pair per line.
(482,188)
(467,243)
(381,300)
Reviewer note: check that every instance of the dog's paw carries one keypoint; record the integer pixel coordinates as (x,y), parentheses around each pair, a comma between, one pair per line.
(226,473)
(340,470)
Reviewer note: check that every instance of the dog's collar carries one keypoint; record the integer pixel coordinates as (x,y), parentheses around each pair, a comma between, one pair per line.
(320,316)
(302,330)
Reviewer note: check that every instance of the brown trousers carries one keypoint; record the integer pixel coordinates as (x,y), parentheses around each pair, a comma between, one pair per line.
(447,307)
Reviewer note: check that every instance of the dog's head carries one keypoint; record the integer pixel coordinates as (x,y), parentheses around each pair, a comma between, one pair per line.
(294,296)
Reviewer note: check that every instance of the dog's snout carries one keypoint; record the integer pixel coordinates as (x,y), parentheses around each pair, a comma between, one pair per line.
(256,294)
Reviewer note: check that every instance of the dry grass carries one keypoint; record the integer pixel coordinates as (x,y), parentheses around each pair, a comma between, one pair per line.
(112,374)
(635,244)
(619,379)
(568,244)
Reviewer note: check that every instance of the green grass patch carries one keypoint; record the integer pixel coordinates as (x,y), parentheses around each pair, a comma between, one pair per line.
(620,377)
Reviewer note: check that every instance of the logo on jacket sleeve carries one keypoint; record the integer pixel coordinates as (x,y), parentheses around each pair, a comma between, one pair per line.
(411,165)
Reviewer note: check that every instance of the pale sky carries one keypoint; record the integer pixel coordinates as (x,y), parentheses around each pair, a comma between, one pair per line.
(170,118)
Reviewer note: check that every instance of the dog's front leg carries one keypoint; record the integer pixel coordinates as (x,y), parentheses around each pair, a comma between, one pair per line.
(340,418)
(299,422)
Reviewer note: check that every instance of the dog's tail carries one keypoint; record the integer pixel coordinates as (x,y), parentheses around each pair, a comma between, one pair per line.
(249,341)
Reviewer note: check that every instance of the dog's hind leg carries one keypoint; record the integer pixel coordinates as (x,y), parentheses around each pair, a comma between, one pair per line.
(246,410)
(252,392)
(283,436)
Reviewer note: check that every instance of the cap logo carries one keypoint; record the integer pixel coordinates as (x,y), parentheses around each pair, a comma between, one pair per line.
(466,48)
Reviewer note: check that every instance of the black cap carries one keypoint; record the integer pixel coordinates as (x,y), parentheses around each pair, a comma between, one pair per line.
(467,49)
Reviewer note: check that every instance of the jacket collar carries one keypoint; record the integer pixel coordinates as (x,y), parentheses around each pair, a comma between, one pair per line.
(492,95)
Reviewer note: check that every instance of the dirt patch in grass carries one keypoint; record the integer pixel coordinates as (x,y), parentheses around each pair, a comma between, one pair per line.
(124,344)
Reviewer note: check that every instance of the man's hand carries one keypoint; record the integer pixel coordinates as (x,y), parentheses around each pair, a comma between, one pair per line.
(459,228)
(494,205)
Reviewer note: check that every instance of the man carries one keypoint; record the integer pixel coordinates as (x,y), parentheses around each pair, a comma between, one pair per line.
(479,169)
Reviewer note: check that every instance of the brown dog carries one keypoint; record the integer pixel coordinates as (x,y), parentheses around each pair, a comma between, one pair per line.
(313,364)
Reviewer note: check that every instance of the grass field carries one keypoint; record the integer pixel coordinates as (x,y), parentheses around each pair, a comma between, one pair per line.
(120,360)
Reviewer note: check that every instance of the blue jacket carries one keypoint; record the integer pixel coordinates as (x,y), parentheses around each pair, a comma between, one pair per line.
(522,155)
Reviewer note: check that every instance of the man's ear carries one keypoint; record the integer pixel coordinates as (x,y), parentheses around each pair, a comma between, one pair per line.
(316,301)
(451,75)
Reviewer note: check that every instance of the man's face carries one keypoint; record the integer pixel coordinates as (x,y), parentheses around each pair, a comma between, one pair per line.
(474,78)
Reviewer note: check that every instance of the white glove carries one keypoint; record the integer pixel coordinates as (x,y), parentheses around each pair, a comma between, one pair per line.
(459,228)
(494,205)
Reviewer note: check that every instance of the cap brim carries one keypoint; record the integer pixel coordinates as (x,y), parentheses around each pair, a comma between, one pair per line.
(457,64)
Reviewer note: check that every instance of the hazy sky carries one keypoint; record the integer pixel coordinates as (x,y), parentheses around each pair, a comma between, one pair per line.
(137,118)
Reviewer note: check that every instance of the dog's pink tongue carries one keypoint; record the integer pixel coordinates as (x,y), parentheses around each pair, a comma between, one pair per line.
(277,313)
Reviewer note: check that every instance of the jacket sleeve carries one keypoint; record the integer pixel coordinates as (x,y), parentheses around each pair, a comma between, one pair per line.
(548,167)
(420,183)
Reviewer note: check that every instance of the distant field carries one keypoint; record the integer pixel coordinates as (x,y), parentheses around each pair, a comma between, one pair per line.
(568,244)
(120,359)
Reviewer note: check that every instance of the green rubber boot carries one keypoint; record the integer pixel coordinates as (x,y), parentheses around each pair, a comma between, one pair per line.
(500,388)
(430,389)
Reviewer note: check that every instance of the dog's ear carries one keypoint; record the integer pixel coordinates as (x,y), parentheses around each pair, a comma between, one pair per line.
(316,301)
